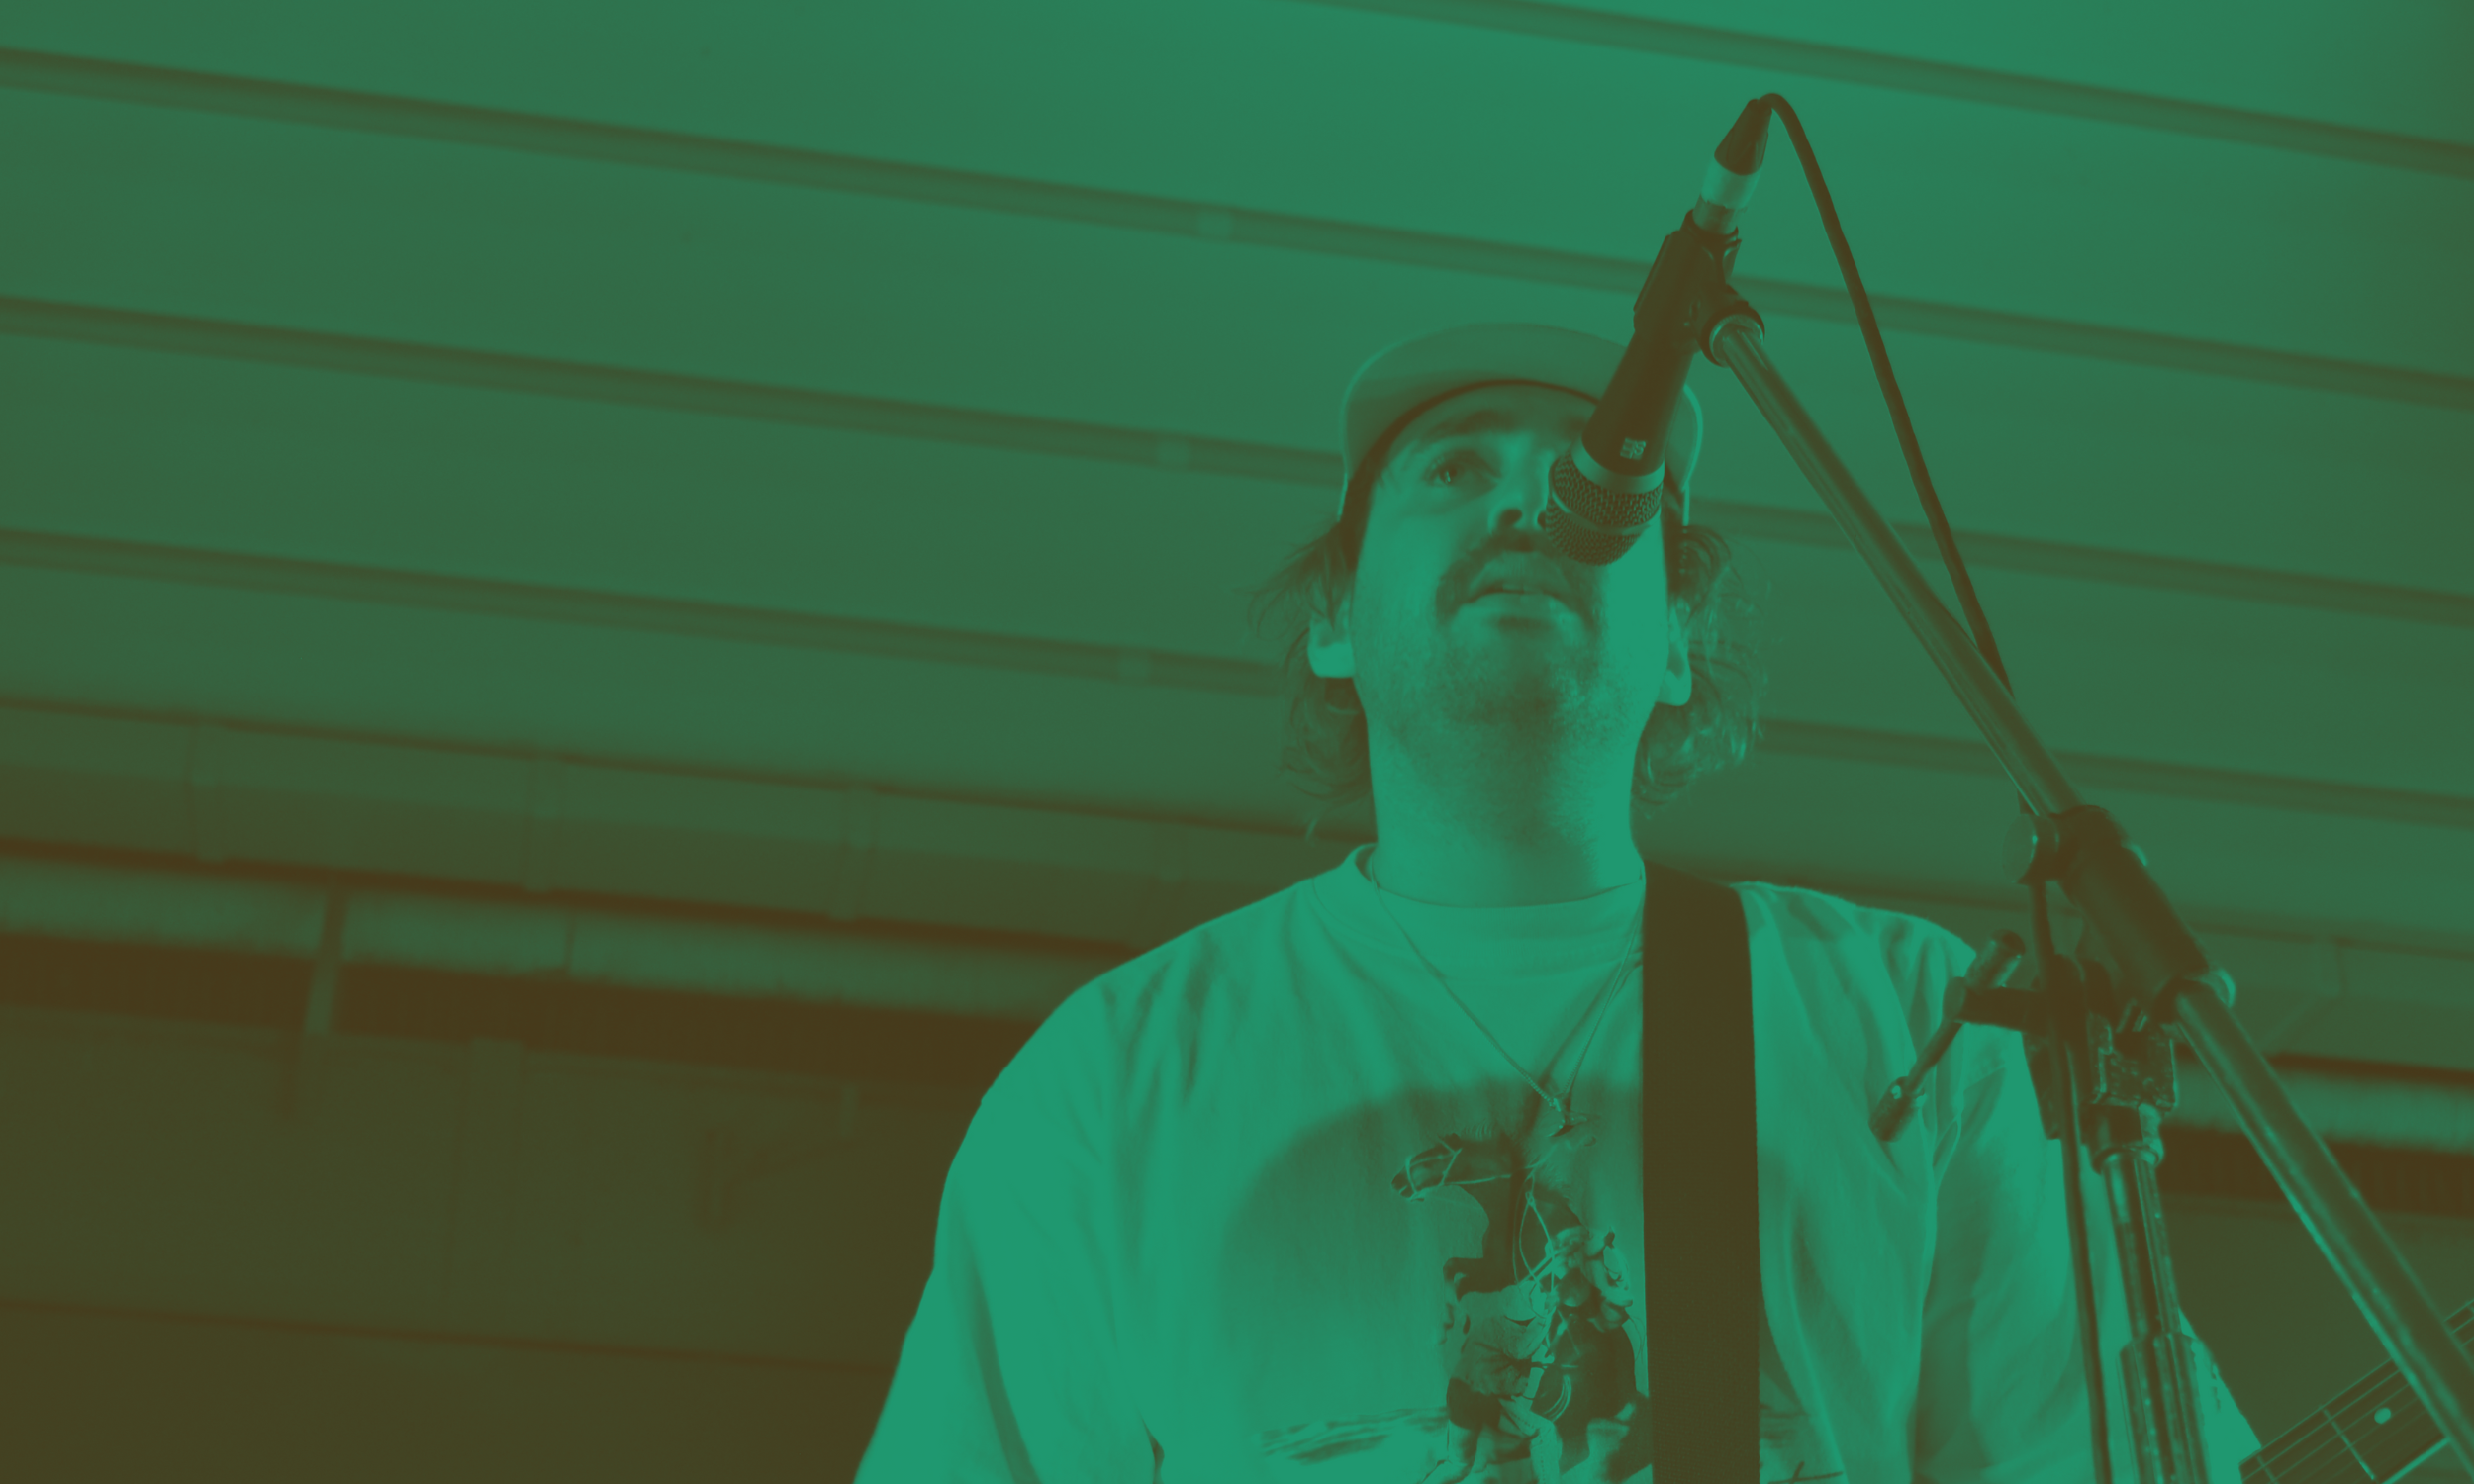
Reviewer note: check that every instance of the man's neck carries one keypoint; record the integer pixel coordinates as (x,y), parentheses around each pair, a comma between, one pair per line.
(1480,826)
(1483,874)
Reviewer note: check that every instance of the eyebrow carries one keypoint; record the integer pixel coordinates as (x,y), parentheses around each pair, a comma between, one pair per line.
(1488,420)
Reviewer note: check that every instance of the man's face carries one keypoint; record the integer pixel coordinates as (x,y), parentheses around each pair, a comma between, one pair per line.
(1457,496)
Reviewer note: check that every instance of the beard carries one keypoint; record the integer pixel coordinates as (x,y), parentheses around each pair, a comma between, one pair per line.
(1459,689)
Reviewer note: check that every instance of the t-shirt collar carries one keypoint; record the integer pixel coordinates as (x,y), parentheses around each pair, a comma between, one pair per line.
(1480,944)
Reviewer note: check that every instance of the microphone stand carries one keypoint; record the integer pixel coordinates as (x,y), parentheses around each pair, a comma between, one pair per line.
(2098,1038)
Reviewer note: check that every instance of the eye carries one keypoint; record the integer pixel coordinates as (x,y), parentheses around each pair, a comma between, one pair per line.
(1436,470)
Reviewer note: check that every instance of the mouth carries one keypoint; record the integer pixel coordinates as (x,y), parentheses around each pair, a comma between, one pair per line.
(1507,597)
(1522,577)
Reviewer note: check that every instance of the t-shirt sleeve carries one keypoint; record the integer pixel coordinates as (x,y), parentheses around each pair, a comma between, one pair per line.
(2003,1394)
(1010,1372)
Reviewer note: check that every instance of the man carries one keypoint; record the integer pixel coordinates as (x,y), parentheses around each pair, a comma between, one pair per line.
(1345,1185)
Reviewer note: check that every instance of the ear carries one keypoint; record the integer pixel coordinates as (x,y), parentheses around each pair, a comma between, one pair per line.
(1675,687)
(1329,651)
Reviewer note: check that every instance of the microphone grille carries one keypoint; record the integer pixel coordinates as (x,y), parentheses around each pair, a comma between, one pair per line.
(1620,517)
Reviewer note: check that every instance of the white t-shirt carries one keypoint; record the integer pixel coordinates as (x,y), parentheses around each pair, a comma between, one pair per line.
(1257,1205)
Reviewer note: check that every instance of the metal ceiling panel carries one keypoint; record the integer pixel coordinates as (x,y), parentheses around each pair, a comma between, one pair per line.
(1122,329)
(1390,123)
(2386,65)
(1096,745)
(829,523)
(2126,331)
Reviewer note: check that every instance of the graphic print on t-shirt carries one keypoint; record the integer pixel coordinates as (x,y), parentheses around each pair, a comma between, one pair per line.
(1535,1348)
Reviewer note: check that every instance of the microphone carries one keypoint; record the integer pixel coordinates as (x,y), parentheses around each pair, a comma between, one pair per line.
(1606,488)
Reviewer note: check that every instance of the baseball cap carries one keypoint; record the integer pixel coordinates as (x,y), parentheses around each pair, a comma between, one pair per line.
(1402,380)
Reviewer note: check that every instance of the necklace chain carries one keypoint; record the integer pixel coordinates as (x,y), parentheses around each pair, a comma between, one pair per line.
(1605,1002)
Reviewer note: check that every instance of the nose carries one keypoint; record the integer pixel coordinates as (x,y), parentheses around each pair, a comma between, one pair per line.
(1520,497)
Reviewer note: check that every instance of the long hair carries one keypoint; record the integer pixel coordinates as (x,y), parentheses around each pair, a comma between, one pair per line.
(1325,749)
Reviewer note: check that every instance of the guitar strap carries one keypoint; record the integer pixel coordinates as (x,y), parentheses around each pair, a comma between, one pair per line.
(1700,1189)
